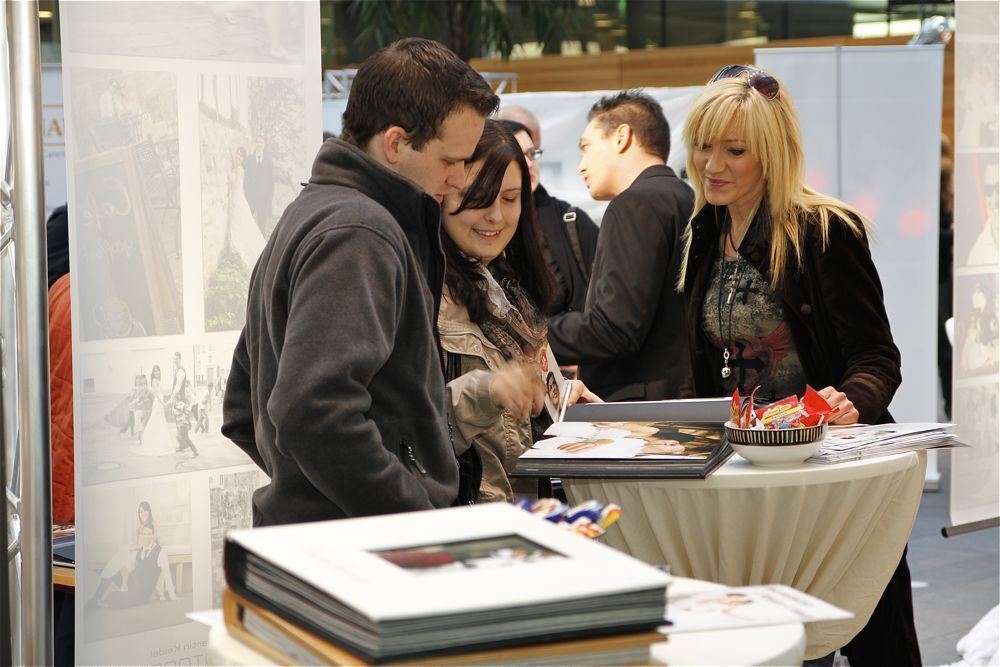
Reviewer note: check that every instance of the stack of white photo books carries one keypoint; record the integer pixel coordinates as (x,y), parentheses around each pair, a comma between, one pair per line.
(408,586)
(850,443)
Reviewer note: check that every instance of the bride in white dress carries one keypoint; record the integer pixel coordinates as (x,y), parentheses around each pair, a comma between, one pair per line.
(242,233)
(155,438)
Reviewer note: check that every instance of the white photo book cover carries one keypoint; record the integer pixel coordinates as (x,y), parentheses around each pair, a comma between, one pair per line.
(412,584)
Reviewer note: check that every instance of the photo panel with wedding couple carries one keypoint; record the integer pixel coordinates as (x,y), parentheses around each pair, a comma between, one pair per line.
(134,567)
(155,411)
(127,255)
(254,160)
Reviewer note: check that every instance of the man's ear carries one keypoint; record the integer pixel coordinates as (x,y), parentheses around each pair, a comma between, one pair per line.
(623,137)
(392,141)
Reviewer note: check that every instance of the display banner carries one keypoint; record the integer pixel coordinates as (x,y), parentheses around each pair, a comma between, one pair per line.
(976,399)
(563,117)
(189,128)
(871,126)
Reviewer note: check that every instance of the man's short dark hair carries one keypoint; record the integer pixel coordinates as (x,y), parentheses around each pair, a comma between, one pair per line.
(414,83)
(641,113)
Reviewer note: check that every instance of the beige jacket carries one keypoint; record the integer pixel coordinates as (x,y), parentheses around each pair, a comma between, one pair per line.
(498,436)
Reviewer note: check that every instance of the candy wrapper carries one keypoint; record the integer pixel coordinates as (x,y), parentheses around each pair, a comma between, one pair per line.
(589,519)
(791,412)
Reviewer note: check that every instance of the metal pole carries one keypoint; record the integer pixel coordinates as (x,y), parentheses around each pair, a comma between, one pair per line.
(32,332)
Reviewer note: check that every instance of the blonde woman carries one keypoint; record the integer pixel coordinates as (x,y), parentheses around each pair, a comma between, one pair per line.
(781,291)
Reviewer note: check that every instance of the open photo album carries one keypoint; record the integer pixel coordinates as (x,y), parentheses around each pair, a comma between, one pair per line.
(683,438)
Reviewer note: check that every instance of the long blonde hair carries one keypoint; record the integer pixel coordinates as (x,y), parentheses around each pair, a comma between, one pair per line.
(771,131)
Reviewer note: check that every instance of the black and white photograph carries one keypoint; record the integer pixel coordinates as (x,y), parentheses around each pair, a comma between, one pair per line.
(253,161)
(261,31)
(137,573)
(977,208)
(977,348)
(983,402)
(128,203)
(231,506)
(482,553)
(154,412)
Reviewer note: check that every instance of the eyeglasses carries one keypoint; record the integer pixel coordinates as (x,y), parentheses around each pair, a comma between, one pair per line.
(534,153)
(762,82)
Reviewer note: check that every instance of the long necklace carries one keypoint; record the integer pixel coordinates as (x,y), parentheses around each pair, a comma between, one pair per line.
(733,283)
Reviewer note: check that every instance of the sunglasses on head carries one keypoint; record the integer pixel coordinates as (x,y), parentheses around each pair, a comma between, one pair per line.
(762,82)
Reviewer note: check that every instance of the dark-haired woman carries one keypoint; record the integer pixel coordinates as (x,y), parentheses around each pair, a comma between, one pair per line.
(491,322)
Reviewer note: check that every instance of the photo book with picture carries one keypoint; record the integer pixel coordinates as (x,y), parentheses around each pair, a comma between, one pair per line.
(663,439)
(408,586)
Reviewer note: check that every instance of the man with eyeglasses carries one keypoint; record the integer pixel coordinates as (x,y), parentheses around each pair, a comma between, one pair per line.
(570,235)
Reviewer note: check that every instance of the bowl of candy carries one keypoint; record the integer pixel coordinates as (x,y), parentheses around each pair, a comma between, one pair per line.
(783,433)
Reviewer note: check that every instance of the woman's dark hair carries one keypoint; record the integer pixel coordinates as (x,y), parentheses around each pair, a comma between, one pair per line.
(414,83)
(523,259)
(154,374)
(149,513)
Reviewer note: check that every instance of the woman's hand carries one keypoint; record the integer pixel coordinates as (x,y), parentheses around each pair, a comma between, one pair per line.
(578,393)
(848,414)
(519,390)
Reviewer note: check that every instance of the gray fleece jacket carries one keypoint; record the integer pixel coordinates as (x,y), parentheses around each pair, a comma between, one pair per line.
(337,389)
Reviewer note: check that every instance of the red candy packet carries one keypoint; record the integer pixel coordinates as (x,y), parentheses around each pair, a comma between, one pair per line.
(789,412)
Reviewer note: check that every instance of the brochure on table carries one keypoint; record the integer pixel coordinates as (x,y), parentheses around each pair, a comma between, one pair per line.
(848,443)
(746,606)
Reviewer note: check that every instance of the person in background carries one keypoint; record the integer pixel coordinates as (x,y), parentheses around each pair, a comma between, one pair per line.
(781,291)
(491,323)
(336,388)
(946,269)
(570,236)
(630,340)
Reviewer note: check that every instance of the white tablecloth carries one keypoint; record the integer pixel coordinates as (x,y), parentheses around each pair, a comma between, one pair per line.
(768,645)
(836,532)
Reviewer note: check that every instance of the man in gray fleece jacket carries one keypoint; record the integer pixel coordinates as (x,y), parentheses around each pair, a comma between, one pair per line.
(337,385)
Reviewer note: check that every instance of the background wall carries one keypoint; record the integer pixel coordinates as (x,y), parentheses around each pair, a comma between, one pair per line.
(189,127)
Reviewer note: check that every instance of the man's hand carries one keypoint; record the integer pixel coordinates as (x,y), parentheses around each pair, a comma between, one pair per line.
(578,393)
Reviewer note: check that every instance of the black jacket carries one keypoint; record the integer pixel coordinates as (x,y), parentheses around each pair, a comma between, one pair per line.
(571,267)
(337,386)
(631,340)
(833,305)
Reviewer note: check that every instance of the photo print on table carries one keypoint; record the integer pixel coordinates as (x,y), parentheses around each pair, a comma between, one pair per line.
(153,412)
(128,227)
(259,32)
(252,166)
(136,573)
(477,554)
(231,507)
(977,327)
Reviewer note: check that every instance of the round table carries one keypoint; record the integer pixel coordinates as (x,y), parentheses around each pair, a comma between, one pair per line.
(766,645)
(834,531)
